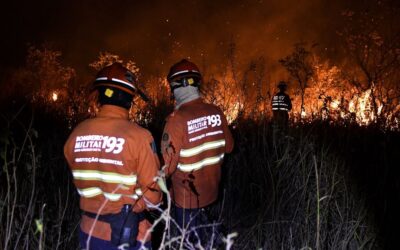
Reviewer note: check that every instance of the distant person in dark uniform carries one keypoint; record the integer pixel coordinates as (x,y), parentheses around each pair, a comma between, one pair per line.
(281,105)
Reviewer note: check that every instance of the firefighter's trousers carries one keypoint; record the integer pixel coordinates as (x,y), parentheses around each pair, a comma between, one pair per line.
(99,244)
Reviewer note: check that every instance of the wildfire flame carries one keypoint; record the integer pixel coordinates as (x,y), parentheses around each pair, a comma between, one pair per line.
(331,97)
(361,106)
(303,114)
(54,96)
(335,104)
(328,97)
(232,112)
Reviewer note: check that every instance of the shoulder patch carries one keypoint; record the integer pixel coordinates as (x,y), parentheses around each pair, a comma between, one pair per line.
(165,137)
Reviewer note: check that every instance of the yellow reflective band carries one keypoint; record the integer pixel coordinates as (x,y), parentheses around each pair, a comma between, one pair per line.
(94,191)
(138,191)
(90,192)
(201,148)
(112,197)
(109,177)
(200,164)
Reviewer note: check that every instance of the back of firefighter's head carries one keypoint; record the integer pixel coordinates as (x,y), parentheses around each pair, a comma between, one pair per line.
(282,86)
(115,85)
(184,74)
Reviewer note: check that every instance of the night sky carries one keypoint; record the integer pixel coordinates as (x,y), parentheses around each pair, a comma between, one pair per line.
(156,34)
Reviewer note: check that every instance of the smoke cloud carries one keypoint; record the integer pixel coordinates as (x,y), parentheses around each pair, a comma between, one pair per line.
(158,33)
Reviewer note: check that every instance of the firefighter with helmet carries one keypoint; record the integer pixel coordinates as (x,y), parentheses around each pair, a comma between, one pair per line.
(195,139)
(113,163)
(281,105)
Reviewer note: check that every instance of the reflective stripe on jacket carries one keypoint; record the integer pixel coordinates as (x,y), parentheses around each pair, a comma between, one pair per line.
(281,101)
(195,139)
(113,162)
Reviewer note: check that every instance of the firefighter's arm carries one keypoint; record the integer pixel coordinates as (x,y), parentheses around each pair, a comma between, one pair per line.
(289,103)
(171,144)
(148,167)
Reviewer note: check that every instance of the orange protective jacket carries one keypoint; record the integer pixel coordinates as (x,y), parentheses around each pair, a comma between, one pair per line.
(195,139)
(113,162)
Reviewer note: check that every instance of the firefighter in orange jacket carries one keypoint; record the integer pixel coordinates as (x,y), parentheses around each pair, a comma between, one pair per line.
(195,139)
(113,163)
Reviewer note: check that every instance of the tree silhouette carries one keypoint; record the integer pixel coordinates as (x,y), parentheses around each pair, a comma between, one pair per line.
(106,58)
(299,66)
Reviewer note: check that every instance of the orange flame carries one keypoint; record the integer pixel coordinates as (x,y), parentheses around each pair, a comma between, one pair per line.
(54,96)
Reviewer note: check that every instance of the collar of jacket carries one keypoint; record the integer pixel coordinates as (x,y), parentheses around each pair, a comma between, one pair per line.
(197,100)
(113,112)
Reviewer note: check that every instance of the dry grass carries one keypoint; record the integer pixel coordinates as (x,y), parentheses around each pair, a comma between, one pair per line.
(296,194)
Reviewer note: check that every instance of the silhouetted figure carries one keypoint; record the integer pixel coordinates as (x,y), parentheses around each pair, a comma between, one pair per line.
(281,105)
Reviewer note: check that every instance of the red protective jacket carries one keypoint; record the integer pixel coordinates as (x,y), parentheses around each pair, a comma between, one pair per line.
(195,139)
(113,162)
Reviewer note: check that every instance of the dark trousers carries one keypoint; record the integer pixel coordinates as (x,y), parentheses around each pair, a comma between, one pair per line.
(197,225)
(99,244)
(280,119)
(189,219)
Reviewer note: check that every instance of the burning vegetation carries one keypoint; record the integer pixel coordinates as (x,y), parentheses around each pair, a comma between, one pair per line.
(319,90)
